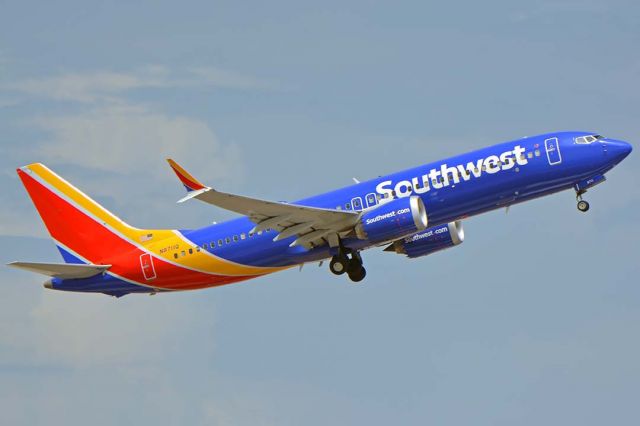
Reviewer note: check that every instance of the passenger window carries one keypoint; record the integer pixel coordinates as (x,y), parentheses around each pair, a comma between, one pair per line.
(243,236)
(204,246)
(339,208)
(537,153)
(175,255)
(212,245)
(227,240)
(347,206)
(183,253)
(235,238)
(219,243)
(529,155)
(190,251)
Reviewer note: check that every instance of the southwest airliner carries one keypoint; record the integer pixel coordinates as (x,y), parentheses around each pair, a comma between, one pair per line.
(415,212)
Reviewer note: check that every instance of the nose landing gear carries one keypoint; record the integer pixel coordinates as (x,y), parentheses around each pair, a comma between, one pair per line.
(583,206)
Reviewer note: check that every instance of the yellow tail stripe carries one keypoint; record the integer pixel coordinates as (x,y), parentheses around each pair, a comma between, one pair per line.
(161,242)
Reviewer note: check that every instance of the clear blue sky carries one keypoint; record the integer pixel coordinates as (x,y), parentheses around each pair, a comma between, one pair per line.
(533,320)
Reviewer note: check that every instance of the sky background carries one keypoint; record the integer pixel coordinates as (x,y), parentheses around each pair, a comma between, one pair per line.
(535,319)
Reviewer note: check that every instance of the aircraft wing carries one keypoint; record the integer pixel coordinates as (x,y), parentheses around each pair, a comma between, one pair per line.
(312,225)
(62,270)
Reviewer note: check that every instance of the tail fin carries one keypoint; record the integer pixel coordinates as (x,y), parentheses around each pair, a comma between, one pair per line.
(84,231)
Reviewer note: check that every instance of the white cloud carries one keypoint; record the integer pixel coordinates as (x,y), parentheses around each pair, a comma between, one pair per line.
(110,86)
(118,156)
(84,349)
(81,88)
(84,330)
(124,144)
(133,139)
(17,223)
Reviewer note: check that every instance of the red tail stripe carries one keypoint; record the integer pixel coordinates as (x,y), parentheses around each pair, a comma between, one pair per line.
(99,245)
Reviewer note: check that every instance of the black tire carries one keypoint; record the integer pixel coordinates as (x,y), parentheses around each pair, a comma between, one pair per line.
(358,274)
(354,265)
(338,265)
(583,206)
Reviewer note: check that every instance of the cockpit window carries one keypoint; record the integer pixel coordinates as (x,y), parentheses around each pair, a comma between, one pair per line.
(588,139)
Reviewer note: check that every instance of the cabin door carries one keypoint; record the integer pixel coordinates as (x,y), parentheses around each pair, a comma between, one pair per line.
(552,147)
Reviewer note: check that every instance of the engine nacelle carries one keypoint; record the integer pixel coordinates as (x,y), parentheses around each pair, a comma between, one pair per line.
(430,240)
(393,219)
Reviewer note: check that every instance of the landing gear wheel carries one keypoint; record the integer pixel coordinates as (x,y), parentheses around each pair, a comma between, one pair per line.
(583,206)
(338,265)
(349,261)
(355,263)
(357,275)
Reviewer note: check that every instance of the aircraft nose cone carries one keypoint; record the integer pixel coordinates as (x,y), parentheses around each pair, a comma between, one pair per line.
(618,150)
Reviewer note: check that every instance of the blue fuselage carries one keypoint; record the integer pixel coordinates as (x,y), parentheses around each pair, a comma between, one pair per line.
(451,189)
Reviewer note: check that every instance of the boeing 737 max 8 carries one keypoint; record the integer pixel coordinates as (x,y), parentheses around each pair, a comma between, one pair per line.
(414,212)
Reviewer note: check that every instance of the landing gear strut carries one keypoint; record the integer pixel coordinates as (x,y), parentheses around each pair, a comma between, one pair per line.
(583,206)
(341,263)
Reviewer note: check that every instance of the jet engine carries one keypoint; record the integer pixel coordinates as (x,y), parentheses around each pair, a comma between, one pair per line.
(393,219)
(430,240)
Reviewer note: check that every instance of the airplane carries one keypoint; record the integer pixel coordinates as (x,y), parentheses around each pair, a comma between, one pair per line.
(415,212)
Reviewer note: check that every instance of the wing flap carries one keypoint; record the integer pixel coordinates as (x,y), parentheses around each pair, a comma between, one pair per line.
(270,214)
(62,270)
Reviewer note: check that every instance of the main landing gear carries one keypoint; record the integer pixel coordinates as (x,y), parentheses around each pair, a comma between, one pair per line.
(341,263)
(583,206)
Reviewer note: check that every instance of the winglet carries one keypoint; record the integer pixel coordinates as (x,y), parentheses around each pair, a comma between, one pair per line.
(189,182)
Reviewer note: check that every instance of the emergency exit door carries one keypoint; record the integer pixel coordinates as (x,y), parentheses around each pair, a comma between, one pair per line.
(146,263)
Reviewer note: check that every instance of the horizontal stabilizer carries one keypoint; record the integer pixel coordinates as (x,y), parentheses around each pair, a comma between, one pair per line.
(62,270)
